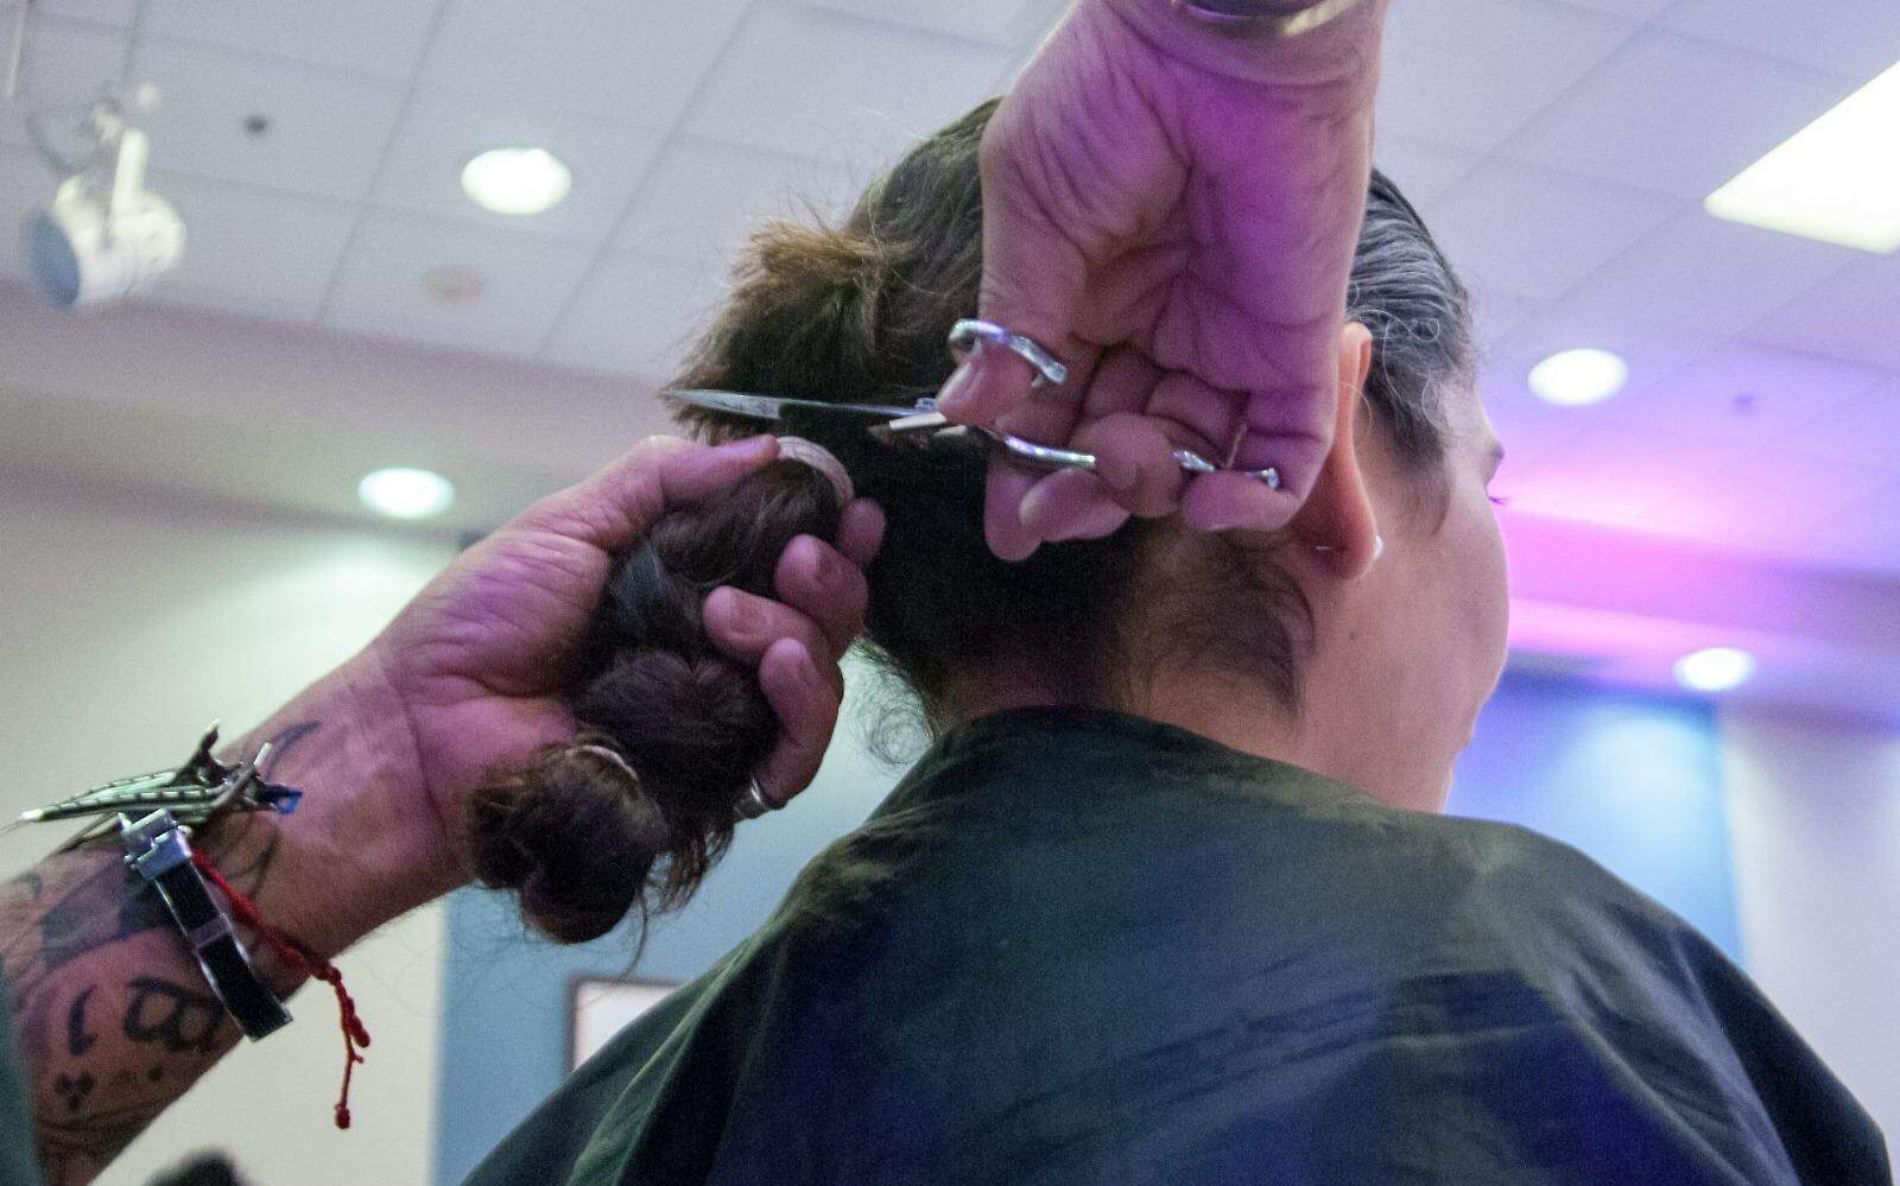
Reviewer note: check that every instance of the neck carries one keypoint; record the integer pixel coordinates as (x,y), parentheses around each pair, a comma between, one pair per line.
(1235,713)
(992,689)
(1231,712)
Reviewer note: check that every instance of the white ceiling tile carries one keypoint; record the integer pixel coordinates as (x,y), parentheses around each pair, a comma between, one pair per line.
(439,134)
(1854,315)
(1852,38)
(1675,114)
(1532,429)
(1423,171)
(1863,429)
(631,61)
(525,282)
(1006,23)
(1468,73)
(384,38)
(117,13)
(1707,276)
(71,65)
(1496,315)
(1638,10)
(704,197)
(637,314)
(1533,232)
(254,251)
(884,88)
(1746,395)
(326,131)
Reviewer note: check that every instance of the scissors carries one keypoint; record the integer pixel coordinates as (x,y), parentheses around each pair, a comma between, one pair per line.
(922,422)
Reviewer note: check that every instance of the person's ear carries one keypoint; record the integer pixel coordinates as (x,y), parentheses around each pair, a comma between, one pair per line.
(1338,522)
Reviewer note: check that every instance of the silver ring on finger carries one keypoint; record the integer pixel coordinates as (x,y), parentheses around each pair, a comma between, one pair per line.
(1194,463)
(755,803)
(968,335)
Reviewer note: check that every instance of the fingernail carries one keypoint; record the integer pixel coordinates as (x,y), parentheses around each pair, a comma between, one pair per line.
(808,671)
(954,399)
(744,446)
(1234,518)
(1094,522)
(1118,472)
(730,610)
(827,569)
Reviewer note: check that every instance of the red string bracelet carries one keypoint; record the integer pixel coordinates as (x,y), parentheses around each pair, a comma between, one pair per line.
(308,962)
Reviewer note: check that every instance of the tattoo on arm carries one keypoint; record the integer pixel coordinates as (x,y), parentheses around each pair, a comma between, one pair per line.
(78,1039)
(287,740)
(177,1018)
(111,1015)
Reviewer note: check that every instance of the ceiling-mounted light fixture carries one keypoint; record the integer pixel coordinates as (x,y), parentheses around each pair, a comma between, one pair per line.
(1717,669)
(1575,378)
(517,180)
(1832,180)
(104,235)
(406,493)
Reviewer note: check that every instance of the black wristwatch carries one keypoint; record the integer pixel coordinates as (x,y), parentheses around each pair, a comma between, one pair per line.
(1265,19)
(157,848)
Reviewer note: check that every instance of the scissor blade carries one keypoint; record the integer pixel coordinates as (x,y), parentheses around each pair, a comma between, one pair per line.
(755,407)
(773,407)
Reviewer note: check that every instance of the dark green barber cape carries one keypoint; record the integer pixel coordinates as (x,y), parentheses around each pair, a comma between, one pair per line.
(1075,947)
(19,1157)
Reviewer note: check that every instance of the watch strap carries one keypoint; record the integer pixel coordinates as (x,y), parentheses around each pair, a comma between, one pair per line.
(156,848)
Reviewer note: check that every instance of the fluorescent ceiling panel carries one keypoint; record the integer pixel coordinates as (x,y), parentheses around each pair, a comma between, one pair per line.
(1837,180)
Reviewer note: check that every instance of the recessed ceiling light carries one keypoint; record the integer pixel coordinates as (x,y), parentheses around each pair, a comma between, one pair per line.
(1832,181)
(1717,669)
(516,180)
(406,493)
(1577,377)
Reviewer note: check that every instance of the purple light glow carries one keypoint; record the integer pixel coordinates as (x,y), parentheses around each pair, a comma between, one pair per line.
(1626,608)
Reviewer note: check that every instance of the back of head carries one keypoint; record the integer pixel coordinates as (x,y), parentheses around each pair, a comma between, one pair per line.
(860,313)
(633,815)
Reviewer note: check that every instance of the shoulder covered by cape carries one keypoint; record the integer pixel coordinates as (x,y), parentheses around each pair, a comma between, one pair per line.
(1163,965)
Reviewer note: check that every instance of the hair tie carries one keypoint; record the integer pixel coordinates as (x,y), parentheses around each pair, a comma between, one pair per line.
(820,459)
(611,756)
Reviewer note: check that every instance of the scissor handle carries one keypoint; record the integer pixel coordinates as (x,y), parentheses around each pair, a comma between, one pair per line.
(932,423)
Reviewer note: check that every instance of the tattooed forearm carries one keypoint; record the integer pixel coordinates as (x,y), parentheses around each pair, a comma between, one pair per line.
(113,1019)
(112,1016)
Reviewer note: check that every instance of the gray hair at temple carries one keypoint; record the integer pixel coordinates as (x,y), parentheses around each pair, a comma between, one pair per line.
(1404,291)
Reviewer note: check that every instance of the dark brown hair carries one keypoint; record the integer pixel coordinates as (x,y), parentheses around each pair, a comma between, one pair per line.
(860,314)
(633,813)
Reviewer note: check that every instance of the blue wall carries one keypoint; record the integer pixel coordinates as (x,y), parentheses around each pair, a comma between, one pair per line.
(1633,781)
